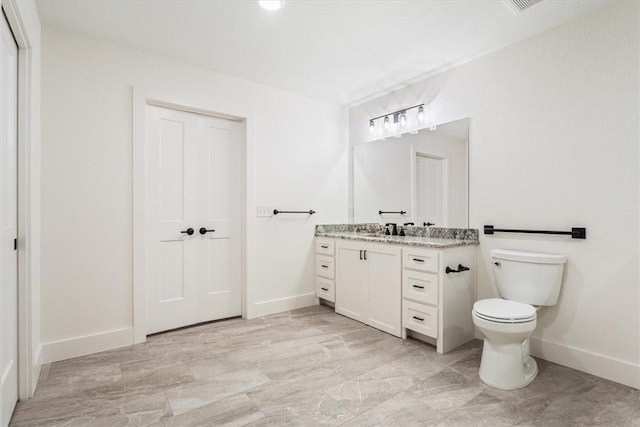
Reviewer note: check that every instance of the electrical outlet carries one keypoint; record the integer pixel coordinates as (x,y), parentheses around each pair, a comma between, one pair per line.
(265,211)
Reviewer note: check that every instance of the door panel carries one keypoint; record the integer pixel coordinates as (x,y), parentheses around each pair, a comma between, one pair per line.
(351,281)
(8,222)
(171,271)
(194,169)
(171,172)
(385,290)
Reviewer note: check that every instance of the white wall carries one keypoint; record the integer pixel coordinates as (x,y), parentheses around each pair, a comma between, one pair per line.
(25,23)
(553,144)
(300,161)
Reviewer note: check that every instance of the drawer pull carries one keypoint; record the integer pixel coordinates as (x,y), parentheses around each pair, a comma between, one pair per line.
(418,260)
(324,247)
(324,266)
(325,289)
(418,318)
(418,286)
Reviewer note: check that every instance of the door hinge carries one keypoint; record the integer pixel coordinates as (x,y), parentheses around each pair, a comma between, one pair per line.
(15,244)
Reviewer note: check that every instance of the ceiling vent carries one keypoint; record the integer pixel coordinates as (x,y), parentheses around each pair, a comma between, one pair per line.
(521,5)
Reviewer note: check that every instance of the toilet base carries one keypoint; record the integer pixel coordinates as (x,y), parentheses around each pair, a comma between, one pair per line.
(508,366)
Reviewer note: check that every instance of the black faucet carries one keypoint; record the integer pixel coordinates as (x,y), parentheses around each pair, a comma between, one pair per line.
(395,228)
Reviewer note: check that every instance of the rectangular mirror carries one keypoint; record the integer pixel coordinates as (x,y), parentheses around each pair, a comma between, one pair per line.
(423,174)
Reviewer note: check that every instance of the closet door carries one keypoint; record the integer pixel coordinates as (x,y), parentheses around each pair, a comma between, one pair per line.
(218,213)
(8,221)
(193,247)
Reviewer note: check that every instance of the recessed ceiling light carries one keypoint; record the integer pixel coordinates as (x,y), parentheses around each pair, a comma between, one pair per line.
(271,5)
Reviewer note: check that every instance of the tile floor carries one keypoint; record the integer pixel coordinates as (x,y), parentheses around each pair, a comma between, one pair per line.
(308,367)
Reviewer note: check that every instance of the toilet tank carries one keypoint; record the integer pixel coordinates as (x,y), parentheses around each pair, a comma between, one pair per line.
(529,277)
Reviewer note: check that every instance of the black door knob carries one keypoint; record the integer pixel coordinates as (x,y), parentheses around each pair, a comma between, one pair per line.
(188,231)
(204,231)
(428,224)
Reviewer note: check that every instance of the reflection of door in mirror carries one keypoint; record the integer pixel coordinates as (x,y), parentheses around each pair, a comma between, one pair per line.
(431,185)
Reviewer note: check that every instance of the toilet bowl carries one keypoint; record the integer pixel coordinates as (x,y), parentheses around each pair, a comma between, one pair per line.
(506,326)
(525,280)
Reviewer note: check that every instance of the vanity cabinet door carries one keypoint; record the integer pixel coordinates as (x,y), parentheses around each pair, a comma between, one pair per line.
(368,286)
(351,281)
(384,299)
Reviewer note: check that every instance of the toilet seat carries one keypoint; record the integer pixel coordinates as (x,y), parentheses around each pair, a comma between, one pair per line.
(504,311)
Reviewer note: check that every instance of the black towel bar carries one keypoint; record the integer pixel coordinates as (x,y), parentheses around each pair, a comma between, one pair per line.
(309,212)
(575,233)
(392,212)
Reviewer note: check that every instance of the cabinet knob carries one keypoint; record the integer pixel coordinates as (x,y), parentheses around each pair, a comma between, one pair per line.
(189,231)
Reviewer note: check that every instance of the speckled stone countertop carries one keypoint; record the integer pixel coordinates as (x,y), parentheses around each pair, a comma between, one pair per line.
(438,238)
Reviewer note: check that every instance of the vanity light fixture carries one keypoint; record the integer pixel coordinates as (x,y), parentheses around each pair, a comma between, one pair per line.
(271,5)
(409,119)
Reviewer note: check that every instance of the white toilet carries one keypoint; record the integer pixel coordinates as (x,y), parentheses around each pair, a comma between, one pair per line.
(526,281)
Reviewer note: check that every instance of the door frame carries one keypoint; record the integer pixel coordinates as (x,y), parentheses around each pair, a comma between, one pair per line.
(28,227)
(191,102)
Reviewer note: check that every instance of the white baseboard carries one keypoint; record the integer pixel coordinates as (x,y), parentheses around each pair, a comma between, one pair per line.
(279,305)
(35,370)
(88,344)
(613,369)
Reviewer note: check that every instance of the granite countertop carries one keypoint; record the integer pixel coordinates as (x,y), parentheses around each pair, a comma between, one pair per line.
(434,238)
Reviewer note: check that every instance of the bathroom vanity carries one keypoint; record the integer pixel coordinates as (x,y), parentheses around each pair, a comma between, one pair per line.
(422,285)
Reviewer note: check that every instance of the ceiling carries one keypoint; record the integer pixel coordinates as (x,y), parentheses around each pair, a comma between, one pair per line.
(338,51)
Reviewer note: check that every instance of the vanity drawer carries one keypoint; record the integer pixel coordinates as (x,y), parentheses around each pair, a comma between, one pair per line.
(325,266)
(325,247)
(420,318)
(326,289)
(420,287)
(420,260)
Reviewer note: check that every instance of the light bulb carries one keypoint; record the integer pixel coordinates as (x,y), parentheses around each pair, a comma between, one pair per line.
(386,123)
(271,5)
(403,119)
(420,114)
(372,126)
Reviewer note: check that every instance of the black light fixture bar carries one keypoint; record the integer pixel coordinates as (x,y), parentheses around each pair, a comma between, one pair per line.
(575,233)
(404,110)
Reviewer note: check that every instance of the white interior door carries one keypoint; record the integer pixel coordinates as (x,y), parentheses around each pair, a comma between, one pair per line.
(8,220)
(193,223)
(431,190)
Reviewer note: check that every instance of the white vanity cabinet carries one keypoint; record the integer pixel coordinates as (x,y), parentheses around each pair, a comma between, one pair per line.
(436,304)
(368,284)
(401,289)
(325,269)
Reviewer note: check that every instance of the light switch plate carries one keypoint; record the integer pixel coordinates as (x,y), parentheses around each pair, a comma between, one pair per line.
(265,211)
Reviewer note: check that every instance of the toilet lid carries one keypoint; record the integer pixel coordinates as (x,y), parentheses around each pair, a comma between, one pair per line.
(502,310)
